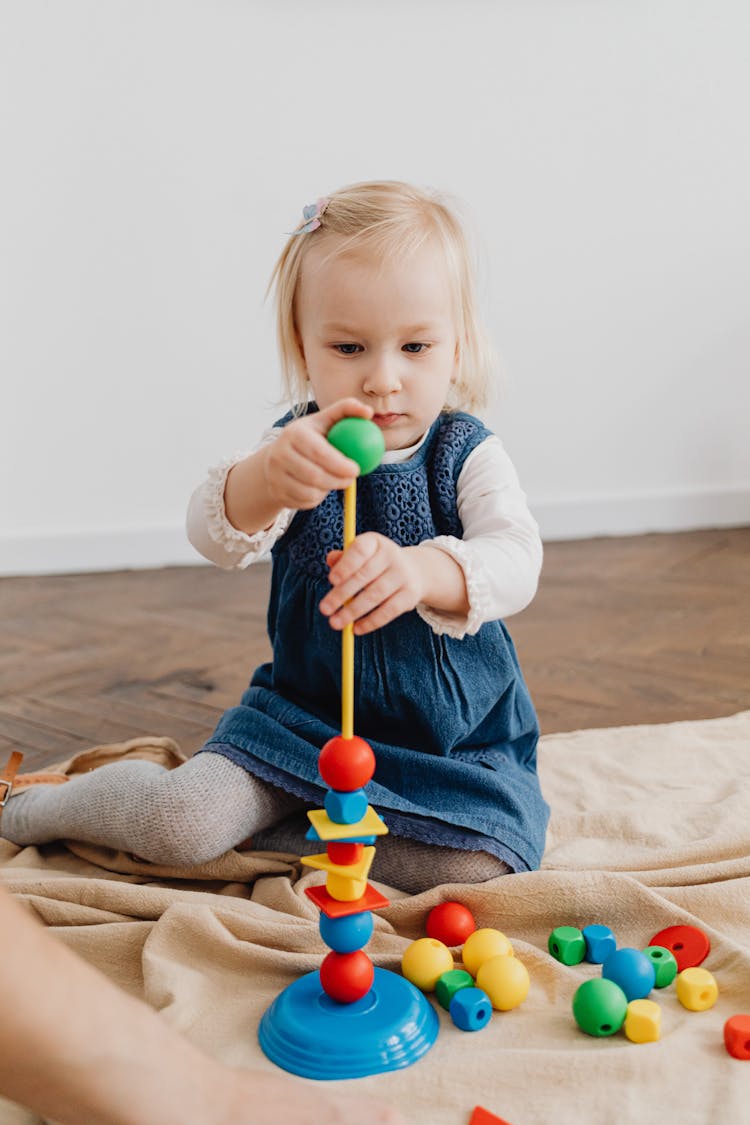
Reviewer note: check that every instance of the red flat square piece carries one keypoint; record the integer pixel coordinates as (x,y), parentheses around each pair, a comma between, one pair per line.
(484,1117)
(370,900)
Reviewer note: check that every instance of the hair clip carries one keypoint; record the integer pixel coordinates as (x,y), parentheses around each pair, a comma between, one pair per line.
(311,213)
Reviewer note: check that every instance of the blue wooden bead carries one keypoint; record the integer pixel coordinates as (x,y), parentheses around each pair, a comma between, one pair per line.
(600,942)
(470,1009)
(632,971)
(346,934)
(346,807)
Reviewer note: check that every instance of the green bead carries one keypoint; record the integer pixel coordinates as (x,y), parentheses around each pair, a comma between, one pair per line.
(567,944)
(361,440)
(450,983)
(665,965)
(600,1007)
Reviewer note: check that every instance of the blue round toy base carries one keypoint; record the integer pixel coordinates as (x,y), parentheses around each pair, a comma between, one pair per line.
(307,1033)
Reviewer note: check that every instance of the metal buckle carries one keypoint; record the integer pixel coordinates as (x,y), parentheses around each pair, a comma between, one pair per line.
(8,790)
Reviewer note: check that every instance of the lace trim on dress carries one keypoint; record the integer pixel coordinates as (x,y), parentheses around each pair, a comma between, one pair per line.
(477,588)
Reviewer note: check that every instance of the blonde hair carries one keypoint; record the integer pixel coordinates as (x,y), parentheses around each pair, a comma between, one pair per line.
(386,218)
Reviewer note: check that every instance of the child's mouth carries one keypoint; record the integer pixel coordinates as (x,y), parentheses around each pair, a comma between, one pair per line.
(386,419)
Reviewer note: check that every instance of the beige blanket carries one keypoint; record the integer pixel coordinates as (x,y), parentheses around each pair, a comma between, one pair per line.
(650,827)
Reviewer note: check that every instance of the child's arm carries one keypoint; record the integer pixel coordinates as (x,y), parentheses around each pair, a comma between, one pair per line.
(456,584)
(237,514)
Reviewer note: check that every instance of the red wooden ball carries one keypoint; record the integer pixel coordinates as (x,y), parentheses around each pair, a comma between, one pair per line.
(451,923)
(347,977)
(346,764)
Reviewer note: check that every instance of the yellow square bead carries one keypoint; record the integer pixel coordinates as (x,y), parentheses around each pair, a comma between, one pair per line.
(696,989)
(643,1021)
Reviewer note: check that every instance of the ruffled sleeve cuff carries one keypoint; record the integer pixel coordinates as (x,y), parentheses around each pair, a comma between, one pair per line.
(477,588)
(211,533)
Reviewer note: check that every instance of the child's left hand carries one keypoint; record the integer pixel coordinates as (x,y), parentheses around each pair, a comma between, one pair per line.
(382,579)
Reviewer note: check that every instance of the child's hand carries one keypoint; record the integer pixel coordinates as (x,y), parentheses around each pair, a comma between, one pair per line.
(301,467)
(382,579)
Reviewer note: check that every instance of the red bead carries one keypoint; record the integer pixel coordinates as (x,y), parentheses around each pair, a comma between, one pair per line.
(451,923)
(347,977)
(737,1036)
(346,763)
(345,854)
(689,945)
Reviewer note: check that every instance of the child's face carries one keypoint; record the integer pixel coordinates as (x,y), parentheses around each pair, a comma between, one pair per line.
(383,332)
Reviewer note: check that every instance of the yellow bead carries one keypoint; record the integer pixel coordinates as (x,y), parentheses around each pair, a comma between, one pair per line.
(505,979)
(643,1021)
(345,889)
(696,989)
(424,961)
(481,945)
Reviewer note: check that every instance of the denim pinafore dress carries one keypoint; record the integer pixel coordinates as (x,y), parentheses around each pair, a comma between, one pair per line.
(450,721)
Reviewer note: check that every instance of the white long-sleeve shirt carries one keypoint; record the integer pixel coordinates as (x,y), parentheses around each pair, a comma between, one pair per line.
(500,552)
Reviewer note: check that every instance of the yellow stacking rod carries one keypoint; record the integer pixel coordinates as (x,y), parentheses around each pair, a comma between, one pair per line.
(347,638)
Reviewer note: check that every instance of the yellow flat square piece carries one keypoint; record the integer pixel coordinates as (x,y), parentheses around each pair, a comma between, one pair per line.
(369,825)
(358,870)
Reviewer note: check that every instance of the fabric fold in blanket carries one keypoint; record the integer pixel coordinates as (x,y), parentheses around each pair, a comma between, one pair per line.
(650,827)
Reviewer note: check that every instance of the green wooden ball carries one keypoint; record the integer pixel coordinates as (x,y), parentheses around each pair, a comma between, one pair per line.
(361,440)
(599,1007)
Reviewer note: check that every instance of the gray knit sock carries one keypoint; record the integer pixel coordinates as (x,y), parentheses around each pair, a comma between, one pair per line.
(400,862)
(178,817)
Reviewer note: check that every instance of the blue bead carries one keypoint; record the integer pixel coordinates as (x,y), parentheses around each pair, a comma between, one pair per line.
(632,971)
(346,808)
(600,942)
(470,1009)
(347,934)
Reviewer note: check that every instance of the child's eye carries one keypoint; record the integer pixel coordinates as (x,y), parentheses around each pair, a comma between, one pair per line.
(348,349)
(414,348)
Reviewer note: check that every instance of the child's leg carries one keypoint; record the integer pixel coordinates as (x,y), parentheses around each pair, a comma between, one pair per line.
(399,861)
(178,817)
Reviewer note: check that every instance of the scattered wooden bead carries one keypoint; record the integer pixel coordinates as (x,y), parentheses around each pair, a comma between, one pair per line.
(567,945)
(643,1021)
(505,979)
(424,961)
(481,945)
(451,923)
(470,1009)
(737,1036)
(697,989)
(632,971)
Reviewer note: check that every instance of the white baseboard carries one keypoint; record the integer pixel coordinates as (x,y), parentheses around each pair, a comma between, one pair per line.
(590,517)
(78,552)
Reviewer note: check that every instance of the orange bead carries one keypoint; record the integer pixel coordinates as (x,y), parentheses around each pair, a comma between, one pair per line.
(737,1036)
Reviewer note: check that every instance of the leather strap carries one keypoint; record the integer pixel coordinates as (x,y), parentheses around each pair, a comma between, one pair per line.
(9,775)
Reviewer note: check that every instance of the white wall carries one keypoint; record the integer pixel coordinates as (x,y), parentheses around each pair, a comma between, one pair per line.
(154,152)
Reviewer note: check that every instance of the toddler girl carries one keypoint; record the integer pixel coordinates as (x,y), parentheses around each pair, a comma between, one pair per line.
(376,319)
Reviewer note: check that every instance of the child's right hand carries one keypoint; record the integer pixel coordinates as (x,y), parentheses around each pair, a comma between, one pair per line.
(301,466)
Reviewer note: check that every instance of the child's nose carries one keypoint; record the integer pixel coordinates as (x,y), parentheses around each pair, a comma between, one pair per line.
(382,377)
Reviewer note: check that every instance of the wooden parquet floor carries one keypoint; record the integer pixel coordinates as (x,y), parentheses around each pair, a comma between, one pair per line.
(647,629)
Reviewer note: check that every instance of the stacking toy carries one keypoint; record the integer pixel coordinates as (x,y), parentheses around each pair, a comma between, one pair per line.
(481,945)
(689,945)
(567,944)
(696,989)
(505,979)
(737,1036)
(643,1021)
(599,1007)
(425,961)
(448,984)
(664,964)
(470,1009)
(600,942)
(451,923)
(349,1019)
(632,971)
